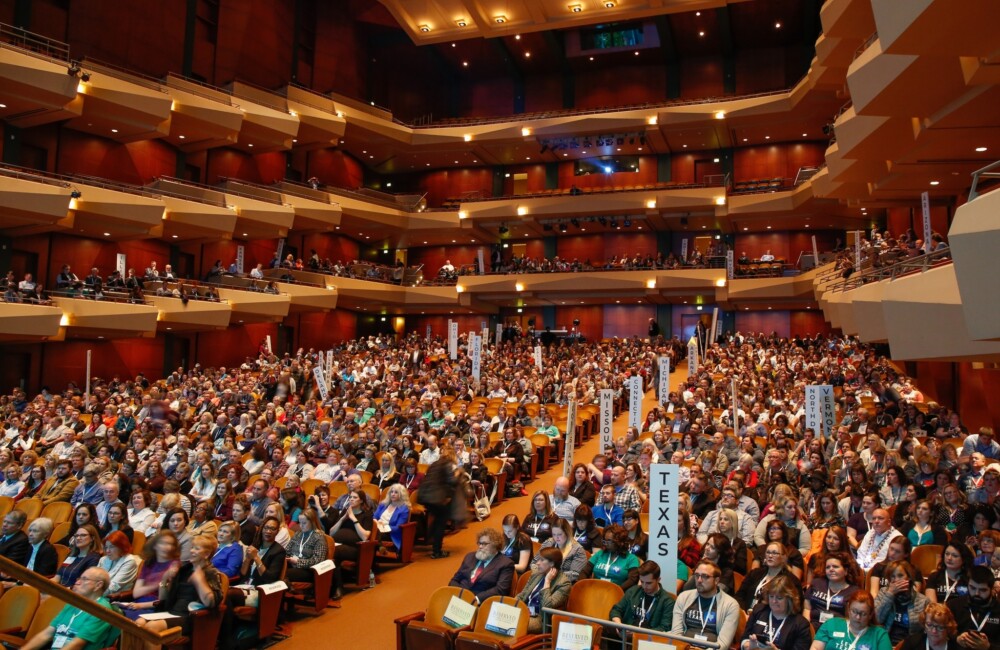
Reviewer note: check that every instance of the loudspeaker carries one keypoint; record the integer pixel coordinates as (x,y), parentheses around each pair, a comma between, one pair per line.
(576,322)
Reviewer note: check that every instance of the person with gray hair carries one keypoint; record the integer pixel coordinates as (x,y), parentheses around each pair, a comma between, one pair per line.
(42,558)
(89,490)
(73,629)
(13,542)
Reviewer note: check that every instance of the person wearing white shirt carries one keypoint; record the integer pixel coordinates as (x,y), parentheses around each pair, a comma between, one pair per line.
(875,545)
(431,452)
(767,257)
(140,515)
(12,484)
(257,272)
(326,471)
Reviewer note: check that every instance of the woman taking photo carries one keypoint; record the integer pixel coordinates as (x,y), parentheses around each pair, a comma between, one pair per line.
(585,530)
(827,595)
(614,562)
(776,623)
(540,519)
(923,530)
(547,587)
(574,558)
(952,577)
(900,604)
(307,548)
(516,544)
(353,527)
(858,630)
(159,554)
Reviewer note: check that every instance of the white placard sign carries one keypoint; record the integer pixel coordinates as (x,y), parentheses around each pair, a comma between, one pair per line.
(815,253)
(684,250)
(664,484)
(857,250)
(321,382)
(272,587)
(281,250)
(479,258)
(240,253)
(607,431)
(121,265)
(573,636)
(86,391)
(820,413)
(925,208)
(692,357)
(663,394)
(713,334)
(329,368)
(452,340)
(270,350)
(476,351)
(503,619)
(730,266)
(428,332)
(538,357)
(323,567)
(459,613)
(570,437)
(486,335)
(635,401)
(499,333)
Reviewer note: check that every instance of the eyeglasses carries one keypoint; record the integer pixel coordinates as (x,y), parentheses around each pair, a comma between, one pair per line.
(482,543)
(772,553)
(934,627)
(81,536)
(704,576)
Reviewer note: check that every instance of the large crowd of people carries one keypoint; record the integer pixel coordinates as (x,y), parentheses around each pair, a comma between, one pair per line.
(228,471)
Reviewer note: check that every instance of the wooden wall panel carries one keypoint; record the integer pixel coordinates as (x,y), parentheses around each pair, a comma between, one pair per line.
(323,331)
(807,323)
(433,257)
(453,183)
(67,361)
(581,247)
(620,86)
(336,168)
(489,98)
(439,324)
(625,321)
(233,345)
(138,163)
(254,42)
(341,51)
(543,93)
(591,319)
(760,70)
(775,161)
(333,247)
(763,321)
(536,177)
(701,77)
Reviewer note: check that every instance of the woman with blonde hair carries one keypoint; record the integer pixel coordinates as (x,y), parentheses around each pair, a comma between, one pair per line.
(390,515)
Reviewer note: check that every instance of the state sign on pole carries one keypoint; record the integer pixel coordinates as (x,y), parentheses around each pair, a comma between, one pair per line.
(607,403)
(320,382)
(664,384)
(664,490)
(452,340)
(570,437)
(693,357)
(635,401)
(820,411)
(476,350)
(538,357)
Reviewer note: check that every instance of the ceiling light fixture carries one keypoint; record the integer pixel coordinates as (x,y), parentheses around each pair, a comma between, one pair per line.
(702,34)
(935,182)
(576,8)
(978,149)
(500,20)
(461,22)
(609,4)
(777,25)
(425,28)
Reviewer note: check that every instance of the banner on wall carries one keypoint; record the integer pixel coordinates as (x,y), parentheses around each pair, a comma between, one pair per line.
(452,340)
(925,208)
(635,401)
(240,252)
(570,437)
(664,384)
(607,403)
(664,496)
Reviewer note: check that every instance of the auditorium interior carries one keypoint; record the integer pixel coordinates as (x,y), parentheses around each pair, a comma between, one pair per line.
(314,172)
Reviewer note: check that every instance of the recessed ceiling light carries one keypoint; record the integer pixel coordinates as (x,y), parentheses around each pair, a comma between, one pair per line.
(980,149)
(767,137)
(805,135)
(250,145)
(640,148)
(461,22)
(777,25)
(769,227)
(107,234)
(181,137)
(500,20)
(114,130)
(807,225)
(3,105)
(685,146)
(465,64)
(517,37)
(745,228)
(701,33)
(527,55)
(697,13)
(637,52)
(174,236)
(935,182)
(591,58)
(244,234)
(744,139)
(609,4)
(425,28)
(576,8)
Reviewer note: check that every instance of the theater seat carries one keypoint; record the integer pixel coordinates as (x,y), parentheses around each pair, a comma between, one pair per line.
(593,598)
(482,639)
(427,630)
(314,595)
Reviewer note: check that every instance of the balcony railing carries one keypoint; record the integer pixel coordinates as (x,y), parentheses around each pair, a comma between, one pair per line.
(991,171)
(896,269)
(31,43)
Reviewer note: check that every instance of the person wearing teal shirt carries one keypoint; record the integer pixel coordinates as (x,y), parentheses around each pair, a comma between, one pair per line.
(614,563)
(74,629)
(548,428)
(859,631)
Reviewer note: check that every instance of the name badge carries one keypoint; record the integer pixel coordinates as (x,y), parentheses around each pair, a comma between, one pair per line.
(60,640)
(838,635)
(825,616)
(700,637)
(69,559)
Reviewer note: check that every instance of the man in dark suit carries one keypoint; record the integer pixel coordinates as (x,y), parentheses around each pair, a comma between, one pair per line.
(13,542)
(42,556)
(486,572)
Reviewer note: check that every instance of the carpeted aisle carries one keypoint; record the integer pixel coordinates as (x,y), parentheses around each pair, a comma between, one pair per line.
(365,618)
